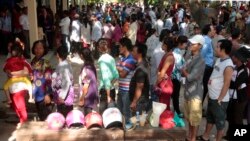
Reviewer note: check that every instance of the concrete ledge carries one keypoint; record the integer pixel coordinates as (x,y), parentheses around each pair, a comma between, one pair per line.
(37,131)
(153,134)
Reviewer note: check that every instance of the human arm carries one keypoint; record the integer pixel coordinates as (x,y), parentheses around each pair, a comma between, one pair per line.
(137,95)
(162,74)
(227,79)
(85,82)
(140,77)
(196,73)
(122,72)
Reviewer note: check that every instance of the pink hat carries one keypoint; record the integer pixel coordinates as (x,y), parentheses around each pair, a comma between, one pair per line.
(75,118)
(55,121)
(93,119)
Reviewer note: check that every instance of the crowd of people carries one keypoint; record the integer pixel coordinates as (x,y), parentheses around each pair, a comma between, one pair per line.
(139,49)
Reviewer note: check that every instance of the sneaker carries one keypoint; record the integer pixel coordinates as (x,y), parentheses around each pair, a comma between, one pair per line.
(128,125)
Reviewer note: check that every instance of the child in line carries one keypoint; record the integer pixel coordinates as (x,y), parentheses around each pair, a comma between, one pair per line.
(13,66)
(17,85)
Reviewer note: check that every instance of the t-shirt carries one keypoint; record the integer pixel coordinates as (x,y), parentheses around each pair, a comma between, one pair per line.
(216,80)
(140,76)
(16,64)
(128,64)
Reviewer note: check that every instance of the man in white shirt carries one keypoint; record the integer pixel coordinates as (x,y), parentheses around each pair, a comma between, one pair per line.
(96,33)
(64,24)
(133,28)
(151,43)
(218,90)
(169,21)
(152,15)
(24,22)
(96,30)
(180,14)
(158,24)
(75,36)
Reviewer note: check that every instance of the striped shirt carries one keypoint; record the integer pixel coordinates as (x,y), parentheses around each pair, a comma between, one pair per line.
(128,64)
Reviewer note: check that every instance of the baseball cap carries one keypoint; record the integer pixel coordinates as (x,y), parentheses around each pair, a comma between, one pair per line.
(75,118)
(112,117)
(93,119)
(197,39)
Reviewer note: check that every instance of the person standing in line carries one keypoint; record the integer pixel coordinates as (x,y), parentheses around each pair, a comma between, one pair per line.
(108,74)
(62,83)
(75,35)
(155,60)
(207,53)
(193,74)
(86,32)
(19,85)
(41,81)
(96,33)
(139,85)
(24,22)
(218,90)
(5,29)
(88,79)
(64,24)
(125,67)
(238,90)
(165,69)
(133,28)
(176,75)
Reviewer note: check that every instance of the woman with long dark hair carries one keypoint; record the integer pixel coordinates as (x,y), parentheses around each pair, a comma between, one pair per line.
(88,78)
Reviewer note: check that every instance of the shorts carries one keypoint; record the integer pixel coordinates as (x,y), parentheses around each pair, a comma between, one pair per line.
(216,114)
(193,111)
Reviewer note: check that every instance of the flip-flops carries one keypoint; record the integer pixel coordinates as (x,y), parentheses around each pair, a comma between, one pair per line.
(200,138)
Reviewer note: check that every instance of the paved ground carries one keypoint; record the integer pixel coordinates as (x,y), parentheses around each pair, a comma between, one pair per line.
(8,123)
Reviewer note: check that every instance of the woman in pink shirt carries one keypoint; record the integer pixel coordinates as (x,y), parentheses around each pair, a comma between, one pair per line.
(116,36)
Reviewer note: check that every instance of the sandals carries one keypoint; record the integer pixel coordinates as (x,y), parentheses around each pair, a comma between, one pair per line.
(200,138)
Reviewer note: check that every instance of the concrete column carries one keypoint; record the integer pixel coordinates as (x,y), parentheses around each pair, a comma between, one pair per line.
(32,15)
(65,4)
(53,5)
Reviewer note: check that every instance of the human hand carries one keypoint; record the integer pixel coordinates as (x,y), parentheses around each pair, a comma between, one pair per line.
(133,106)
(47,99)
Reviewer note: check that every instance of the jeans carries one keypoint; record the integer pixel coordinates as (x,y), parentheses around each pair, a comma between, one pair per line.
(123,104)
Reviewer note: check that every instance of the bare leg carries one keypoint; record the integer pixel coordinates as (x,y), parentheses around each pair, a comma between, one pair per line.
(219,135)
(193,132)
(8,96)
(209,127)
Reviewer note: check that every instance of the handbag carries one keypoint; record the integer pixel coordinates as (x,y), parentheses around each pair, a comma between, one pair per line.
(165,86)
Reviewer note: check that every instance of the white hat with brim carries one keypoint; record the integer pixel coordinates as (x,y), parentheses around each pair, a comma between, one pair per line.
(197,39)
(112,117)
